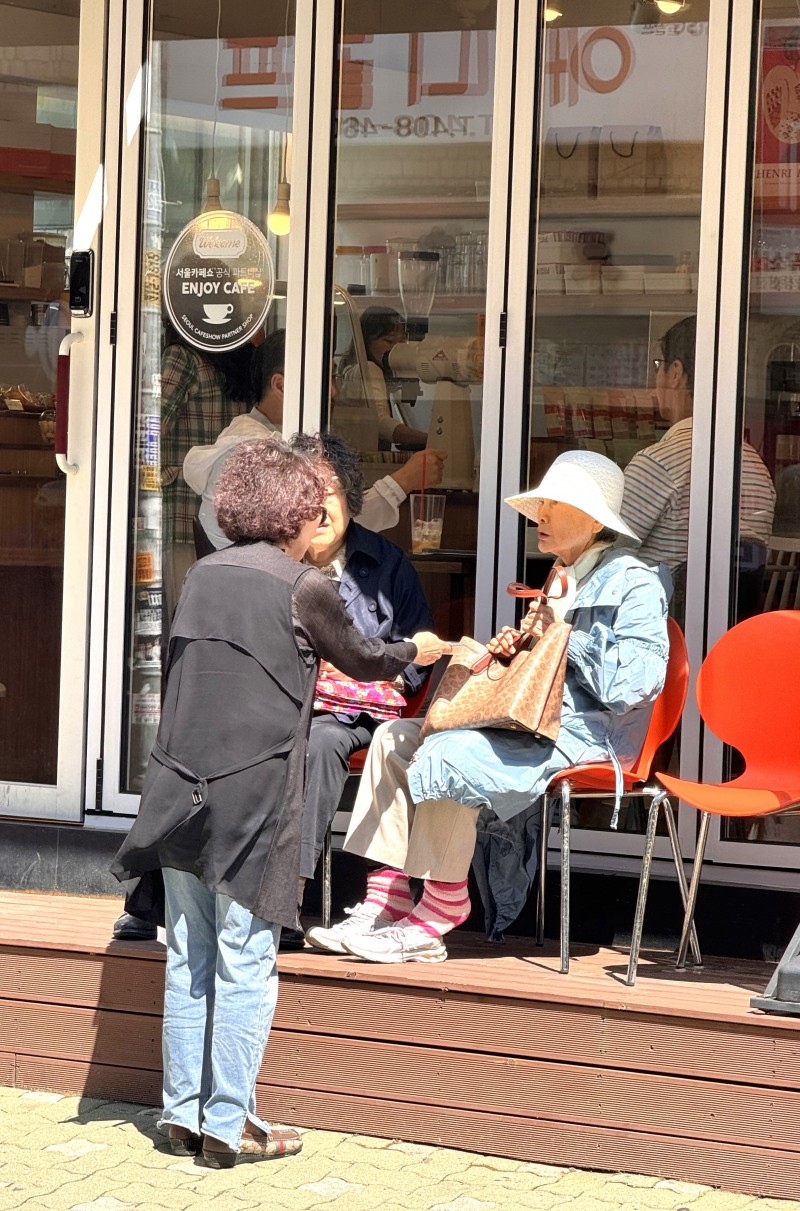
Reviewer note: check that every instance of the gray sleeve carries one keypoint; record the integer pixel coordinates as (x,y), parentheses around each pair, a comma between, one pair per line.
(324,626)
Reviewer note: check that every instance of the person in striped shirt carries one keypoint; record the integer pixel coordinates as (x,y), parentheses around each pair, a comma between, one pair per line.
(657,479)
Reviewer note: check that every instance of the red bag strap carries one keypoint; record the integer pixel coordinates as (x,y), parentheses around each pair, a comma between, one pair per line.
(556,579)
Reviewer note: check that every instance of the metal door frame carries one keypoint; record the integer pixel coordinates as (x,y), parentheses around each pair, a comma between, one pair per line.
(63,802)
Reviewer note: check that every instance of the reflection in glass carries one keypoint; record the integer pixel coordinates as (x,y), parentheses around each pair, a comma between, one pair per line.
(218,135)
(38,89)
(413,155)
(615,289)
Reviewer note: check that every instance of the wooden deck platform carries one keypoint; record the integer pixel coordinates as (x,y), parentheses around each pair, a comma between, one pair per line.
(493,1050)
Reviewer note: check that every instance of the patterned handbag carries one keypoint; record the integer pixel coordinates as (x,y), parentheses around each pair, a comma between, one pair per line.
(344,695)
(523,694)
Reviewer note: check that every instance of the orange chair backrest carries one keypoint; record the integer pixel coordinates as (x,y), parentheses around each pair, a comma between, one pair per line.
(748,691)
(668,707)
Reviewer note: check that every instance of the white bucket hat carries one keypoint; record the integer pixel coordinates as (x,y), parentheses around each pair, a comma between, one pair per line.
(588,481)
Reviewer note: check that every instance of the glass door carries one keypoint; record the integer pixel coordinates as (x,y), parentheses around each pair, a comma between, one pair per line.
(620,294)
(764,427)
(419,148)
(206,197)
(51,193)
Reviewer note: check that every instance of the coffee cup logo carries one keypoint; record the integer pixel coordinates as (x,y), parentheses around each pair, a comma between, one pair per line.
(218,313)
(218,281)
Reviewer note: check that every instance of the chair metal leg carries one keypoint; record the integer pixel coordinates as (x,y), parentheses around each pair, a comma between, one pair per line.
(644,884)
(540,893)
(697,868)
(677,856)
(327,871)
(566,822)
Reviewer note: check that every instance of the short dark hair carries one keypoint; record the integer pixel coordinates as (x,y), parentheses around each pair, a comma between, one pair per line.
(380,321)
(341,458)
(679,343)
(267,491)
(268,359)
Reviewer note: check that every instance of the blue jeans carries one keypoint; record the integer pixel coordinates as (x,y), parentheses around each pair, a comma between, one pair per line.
(219,1001)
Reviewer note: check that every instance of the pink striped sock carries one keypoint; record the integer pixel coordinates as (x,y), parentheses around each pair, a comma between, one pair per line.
(443,907)
(389,892)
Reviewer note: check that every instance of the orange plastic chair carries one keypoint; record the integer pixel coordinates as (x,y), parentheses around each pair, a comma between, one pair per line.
(596,781)
(411,710)
(748,693)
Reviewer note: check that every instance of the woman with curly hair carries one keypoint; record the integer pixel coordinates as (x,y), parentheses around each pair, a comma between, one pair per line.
(219,827)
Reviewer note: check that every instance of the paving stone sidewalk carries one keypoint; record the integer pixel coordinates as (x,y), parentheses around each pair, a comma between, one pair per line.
(85,1154)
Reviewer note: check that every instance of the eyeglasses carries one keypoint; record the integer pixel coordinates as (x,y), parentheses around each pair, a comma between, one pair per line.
(658,362)
(323,517)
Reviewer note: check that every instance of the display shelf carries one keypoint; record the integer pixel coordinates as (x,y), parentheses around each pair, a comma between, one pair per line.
(9,293)
(464,304)
(638,206)
(12,183)
(785,302)
(614,304)
(423,208)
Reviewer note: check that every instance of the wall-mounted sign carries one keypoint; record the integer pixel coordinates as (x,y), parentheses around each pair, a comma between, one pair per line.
(219,280)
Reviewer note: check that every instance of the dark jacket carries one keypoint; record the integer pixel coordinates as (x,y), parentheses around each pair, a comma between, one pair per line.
(223,793)
(382,593)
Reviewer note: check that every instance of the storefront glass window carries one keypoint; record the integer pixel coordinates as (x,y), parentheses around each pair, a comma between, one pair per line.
(413,155)
(218,143)
(38,87)
(621,155)
(767,573)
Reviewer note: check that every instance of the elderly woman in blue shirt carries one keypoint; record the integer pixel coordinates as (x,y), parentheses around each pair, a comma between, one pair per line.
(418,805)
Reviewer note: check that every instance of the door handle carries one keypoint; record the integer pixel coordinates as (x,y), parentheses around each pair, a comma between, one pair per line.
(62,404)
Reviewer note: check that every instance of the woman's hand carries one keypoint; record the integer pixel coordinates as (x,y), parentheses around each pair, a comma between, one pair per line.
(539,617)
(430,647)
(504,643)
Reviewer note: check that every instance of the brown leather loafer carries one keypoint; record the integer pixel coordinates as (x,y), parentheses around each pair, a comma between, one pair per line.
(257,1146)
(182,1141)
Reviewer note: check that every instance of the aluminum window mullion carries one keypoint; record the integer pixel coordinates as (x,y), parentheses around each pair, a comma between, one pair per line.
(523,141)
(502,367)
(132,110)
(309,288)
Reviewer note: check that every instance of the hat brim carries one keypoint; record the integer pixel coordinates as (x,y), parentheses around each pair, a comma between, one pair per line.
(528,503)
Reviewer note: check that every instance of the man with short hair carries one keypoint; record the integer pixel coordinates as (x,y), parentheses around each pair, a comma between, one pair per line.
(658,478)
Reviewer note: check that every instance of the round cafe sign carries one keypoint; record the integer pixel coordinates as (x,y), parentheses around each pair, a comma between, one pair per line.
(219,280)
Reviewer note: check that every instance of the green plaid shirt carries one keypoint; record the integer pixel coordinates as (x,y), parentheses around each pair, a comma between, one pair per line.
(194,411)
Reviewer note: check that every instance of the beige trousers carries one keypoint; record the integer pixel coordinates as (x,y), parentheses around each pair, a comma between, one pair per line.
(433,840)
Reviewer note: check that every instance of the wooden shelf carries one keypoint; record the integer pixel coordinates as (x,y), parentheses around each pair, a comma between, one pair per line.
(424,208)
(9,293)
(10,183)
(466,304)
(639,206)
(785,302)
(613,304)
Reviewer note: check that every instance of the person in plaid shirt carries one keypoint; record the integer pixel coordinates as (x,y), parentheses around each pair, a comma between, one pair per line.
(200,395)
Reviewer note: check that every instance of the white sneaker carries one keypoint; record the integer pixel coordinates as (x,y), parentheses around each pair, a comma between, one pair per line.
(359,920)
(397,944)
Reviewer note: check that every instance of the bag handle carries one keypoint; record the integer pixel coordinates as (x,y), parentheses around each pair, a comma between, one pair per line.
(557,578)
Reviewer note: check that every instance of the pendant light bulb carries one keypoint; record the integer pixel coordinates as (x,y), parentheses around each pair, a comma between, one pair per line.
(212,201)
(552,12)
(279,219)
(670,7)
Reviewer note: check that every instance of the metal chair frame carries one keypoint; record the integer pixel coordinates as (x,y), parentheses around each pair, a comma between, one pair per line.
(596,781)
(658,799)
